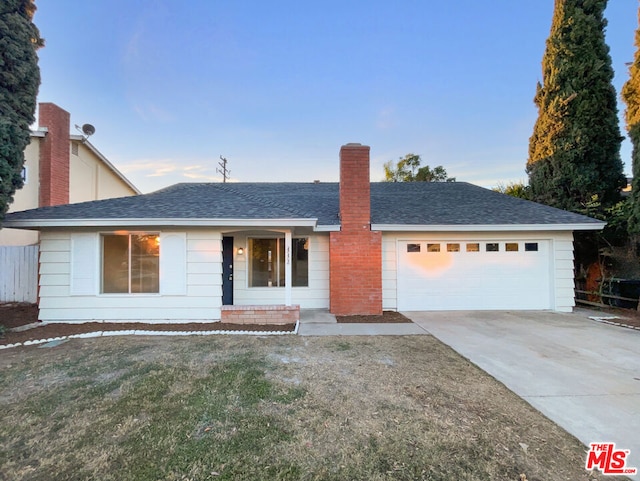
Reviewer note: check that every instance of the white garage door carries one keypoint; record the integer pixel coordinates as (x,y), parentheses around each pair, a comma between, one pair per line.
(474,275)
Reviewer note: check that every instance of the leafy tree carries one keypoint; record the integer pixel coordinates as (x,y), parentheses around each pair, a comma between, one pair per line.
(19,83)
(631,97)
(514,189)
(408,169)
(574,152)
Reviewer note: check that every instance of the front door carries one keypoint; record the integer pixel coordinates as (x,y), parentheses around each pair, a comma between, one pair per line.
(227,271)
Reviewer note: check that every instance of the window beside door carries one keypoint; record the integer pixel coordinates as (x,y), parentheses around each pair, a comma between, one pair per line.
(267,262)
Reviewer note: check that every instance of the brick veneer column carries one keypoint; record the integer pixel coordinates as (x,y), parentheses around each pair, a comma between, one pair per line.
(54,155)
(355,255)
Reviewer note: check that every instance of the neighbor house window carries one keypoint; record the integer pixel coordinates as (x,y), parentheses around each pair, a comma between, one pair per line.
(130,263)
(267,262)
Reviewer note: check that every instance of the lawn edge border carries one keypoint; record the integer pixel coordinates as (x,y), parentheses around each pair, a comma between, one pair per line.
(146,332)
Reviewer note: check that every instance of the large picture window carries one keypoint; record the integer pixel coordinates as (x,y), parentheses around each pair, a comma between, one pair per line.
(130,263)
(267,262)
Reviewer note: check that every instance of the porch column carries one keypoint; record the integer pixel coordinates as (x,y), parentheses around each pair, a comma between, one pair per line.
(287,268)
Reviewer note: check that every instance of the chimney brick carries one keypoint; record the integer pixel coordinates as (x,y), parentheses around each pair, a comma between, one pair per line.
(54,155)
(355,255)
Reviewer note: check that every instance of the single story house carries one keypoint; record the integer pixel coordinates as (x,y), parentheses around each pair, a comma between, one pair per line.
(207,251)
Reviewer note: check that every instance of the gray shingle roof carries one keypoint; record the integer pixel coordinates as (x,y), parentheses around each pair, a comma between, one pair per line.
(418,203)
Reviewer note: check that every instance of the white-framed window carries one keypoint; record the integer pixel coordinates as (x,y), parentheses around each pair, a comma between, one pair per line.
(130,263)
(23,174)
(267,262)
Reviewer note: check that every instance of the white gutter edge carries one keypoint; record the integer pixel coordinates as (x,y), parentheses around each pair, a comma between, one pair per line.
(328,228)
(37,223)
(487,227)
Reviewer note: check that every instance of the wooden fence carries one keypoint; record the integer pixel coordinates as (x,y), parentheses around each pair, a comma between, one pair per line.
(19,273)
(602,296)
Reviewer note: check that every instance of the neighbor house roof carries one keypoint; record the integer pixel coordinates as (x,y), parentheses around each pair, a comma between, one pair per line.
(394,206)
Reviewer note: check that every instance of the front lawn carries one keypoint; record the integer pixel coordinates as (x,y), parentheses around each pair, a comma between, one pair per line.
(277,408)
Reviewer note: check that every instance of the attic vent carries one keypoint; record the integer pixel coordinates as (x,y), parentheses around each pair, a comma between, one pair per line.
(74,148)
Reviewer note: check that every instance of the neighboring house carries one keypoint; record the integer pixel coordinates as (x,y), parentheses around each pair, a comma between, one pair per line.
(61,168)
(210,251)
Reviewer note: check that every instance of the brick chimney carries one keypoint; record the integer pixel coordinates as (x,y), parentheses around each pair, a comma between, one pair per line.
(355,256)
(54,155)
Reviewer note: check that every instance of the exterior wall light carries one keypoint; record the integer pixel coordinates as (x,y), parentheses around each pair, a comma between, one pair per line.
(240,251)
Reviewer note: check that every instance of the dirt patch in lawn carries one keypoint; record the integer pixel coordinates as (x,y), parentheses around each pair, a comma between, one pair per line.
(387,316)
(281,408)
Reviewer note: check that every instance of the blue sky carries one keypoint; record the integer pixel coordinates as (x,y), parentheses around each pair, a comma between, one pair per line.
(277,87)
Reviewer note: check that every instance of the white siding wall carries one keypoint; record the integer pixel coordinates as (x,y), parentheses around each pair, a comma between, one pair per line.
(316,296)
(561,265)
(389,272)
(201,302)
(563,271)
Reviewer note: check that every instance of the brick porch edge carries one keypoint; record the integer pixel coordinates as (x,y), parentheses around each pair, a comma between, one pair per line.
(279,314)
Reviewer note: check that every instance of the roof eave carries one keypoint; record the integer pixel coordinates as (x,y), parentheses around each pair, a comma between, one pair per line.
(488,227)
(35,224)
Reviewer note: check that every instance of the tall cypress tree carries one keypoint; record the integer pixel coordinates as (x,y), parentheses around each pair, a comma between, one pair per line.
(631,97)
(19,83)
(574,152)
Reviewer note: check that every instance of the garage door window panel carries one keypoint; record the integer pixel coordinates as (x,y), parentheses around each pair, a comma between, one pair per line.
(433,247)
(492,247)
(413,247)
(473,247)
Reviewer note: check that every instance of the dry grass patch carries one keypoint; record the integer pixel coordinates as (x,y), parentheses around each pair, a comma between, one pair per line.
(245,408)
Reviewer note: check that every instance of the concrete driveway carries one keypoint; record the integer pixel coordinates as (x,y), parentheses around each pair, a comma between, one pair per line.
(582,374)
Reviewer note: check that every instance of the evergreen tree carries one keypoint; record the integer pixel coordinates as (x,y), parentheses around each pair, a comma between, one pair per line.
(19,82)
(631,97)
(574,152)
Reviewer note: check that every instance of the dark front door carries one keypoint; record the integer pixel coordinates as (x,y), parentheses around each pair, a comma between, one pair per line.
(227,271)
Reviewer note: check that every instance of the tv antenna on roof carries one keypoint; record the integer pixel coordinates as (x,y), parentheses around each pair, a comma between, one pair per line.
(223,169)
(87,130)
